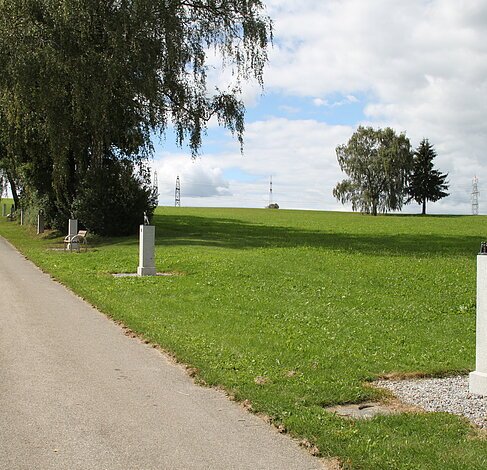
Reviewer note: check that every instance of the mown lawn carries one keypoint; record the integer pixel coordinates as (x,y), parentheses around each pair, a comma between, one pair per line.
(296,310)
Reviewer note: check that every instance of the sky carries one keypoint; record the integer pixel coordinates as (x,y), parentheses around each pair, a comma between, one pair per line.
(419,67)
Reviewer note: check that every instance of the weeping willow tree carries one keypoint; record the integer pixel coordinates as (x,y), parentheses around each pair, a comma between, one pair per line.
(87,82)
(378,164)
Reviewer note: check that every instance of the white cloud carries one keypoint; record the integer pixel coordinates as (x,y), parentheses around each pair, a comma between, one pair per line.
(348,99)
(423,62)
(198,178)
(421,66)
(299,154)
(351,99)
(289,109)
(320,102)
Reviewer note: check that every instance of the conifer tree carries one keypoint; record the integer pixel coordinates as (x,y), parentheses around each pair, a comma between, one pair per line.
(426,183)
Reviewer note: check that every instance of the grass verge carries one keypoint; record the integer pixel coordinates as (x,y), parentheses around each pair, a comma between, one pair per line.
(295,311)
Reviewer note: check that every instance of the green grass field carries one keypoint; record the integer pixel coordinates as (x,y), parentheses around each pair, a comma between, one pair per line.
(296,310)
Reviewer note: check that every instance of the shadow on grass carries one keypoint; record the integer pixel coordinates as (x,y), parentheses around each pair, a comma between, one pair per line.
(188,230)
(397,215)
(52,235)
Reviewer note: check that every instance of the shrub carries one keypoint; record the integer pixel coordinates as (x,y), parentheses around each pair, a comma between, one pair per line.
(113,197)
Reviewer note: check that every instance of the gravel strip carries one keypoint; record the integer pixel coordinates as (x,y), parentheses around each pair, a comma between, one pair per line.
(448,394)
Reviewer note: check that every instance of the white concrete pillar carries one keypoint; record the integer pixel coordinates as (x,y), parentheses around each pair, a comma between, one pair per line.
(21,217)
(73,230)
(40,223)
(147,264)
(72,227)
(478,378)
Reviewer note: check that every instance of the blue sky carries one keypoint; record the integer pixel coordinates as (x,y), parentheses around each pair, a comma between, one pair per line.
(336,108)
(417,66)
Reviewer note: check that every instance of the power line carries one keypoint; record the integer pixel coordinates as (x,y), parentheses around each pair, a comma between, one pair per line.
(243,197)
(475,196)
(155,185)
(270,192)
(454,188)
(177,198)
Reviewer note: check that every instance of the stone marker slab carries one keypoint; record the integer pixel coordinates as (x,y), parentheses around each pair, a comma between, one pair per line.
(360,411)
(147,264)
(72,231)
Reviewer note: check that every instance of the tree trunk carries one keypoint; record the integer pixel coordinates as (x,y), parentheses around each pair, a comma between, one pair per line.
(13,189)
(424,207)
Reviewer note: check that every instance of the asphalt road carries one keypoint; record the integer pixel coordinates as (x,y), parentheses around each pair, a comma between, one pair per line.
(76,393)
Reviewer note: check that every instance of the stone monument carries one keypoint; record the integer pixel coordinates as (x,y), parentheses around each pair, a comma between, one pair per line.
(478,378)
(147,235)
(72,231)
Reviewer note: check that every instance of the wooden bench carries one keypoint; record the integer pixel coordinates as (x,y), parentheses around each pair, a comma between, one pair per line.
(77,240)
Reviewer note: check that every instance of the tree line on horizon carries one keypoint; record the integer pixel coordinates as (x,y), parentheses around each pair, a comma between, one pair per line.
(384,172)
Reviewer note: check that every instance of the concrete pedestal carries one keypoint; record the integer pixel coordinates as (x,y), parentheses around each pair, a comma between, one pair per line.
(478,378)
(73,230)
(72,227)
(147,265)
